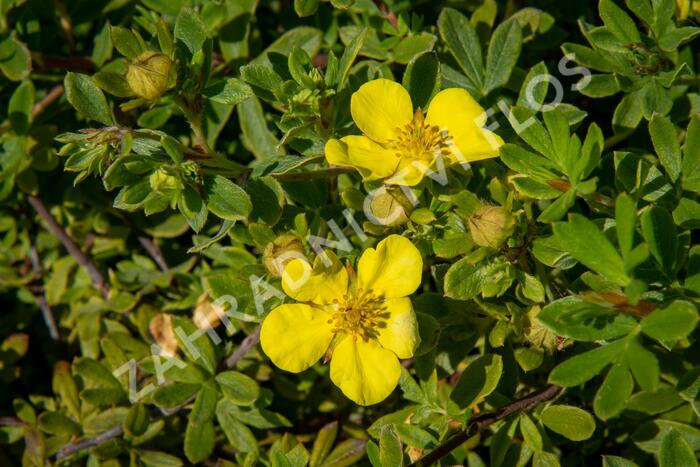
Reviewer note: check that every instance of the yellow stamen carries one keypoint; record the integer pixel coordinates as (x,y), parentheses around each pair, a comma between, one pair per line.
(360,314)
(417,140)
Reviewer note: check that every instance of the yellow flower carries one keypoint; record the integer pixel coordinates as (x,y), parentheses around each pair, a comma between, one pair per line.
(364,322)
(400,145)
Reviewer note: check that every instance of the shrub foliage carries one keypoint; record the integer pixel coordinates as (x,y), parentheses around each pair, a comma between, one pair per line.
(160,160)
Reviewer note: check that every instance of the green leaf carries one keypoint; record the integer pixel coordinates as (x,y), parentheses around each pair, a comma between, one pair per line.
(463,280)
(660,234)
(390,450)
(675,451)
(618,22)
(305,37)
(613,394)
(172,395)
(672,323)
(503,53)
(585,242)
(616,461)
(422,79)
(585,321)
(478,380)
(530,433)
(323,444)
(231,91)
(192,206)
(237,433)
(15,59)
(56,423)
(571,422)
(199,441)
(463,43)
(663,135)
(126,42)
(19,110)
(238,388)
(644,365)
(195,344)
(137,420)
(412,46)
(84,95)
(347,453)
(257,137)
(582,367)
(190,30)
(158,459)
(625,221)
(64,386)
(226,199)
(204,404)
(305,7)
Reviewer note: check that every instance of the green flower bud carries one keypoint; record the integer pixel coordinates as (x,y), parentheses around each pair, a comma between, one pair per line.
(491,226)
(386,210)
(160,180)
(280,251)
(148,75)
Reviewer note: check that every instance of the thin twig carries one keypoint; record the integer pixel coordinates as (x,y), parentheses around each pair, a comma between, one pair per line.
(480,423)
(247,344)
(82,259)
(40,106)
(153,251)
(11,421)
(72,448)
(40,297)
(389,15)
(151,248)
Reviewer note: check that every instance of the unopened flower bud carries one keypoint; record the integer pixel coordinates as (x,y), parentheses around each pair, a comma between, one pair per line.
(491,226)
(538,335)
(207,314)
(161,328)
(148,75)
(161,181)
(386,210)
(280,251)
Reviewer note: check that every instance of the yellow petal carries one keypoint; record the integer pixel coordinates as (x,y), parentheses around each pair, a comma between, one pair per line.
(379,107)
(371,159)
(455,111)
(296,336)
(393,270)
(399,333)
(327,280)
(365,371)
(410,172)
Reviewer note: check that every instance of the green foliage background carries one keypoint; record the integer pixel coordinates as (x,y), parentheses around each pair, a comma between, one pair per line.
(115,209)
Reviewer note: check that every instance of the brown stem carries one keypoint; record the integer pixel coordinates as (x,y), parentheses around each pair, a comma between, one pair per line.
(388,14)
(247,344)
(40,106)
(82,259)
(151,248)
(40,297)
(53,62)
(11,421)
(480,423)
(72,448)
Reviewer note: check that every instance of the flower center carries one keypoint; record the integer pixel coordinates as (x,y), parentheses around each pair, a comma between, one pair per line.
(417,140)
(359,314)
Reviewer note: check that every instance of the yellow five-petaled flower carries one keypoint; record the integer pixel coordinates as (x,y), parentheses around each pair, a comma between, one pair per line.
(363,322)
(401,145)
